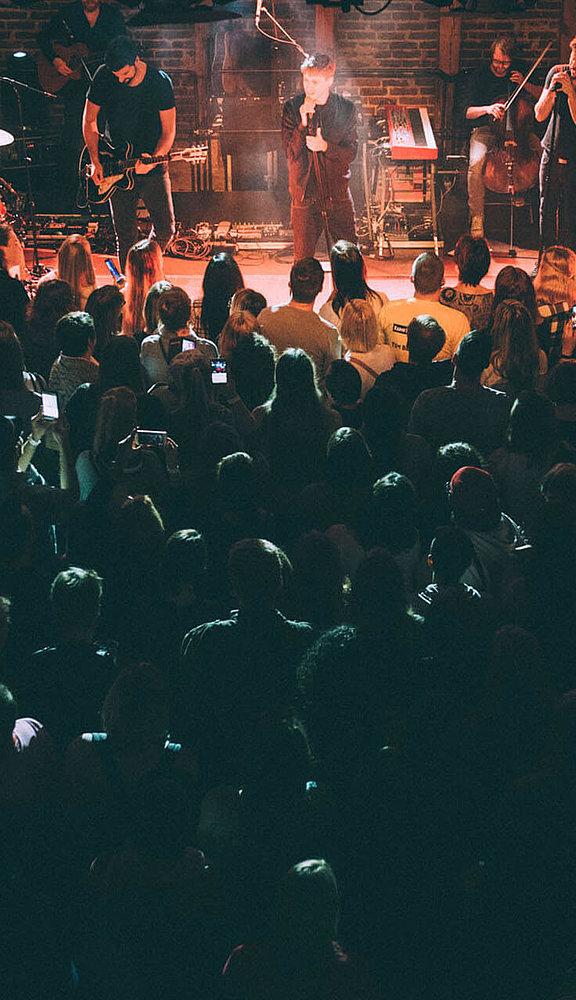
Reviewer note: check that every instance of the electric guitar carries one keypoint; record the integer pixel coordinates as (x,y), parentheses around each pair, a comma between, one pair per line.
(118,165)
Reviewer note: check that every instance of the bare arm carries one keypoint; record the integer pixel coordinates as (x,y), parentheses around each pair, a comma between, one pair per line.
(91,136)
(166,140)
(548,97)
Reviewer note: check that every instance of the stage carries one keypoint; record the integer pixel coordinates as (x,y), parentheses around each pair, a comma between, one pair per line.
(269,274)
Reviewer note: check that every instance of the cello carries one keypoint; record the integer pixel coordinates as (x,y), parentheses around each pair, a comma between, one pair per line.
(512,166)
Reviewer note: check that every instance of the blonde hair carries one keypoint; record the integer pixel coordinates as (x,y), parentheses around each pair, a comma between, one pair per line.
(359,328)
(144,267)
(556,277)
(75,266)
(240,324)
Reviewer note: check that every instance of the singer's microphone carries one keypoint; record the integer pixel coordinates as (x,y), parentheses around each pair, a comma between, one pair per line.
(558,86)
(311,123)
(258,13)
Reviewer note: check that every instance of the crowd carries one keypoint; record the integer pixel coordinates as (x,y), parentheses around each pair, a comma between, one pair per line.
(287,673)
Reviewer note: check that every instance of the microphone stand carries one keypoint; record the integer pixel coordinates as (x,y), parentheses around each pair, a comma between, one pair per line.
(545,193)
(17,86)
(321,188)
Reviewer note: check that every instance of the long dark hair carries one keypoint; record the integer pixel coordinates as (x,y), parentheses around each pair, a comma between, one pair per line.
(348,275)
(222,278)
(11,359)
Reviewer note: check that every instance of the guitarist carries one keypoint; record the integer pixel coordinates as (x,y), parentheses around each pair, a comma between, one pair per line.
(136,102)
(84,23)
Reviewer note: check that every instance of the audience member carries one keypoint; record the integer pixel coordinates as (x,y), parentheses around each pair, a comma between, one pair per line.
(247,300)
(428,279)
(105,305)
(393,448)
(476,509)
(14,299)
(300,955)
(359,333)
(19,389)
(469,295)
(66,683)
(144,268)
(296,325)
(349,281)
(175,334)
(294,426)
(75,365)
(562,392)
(419,372)
(532,447)
(76,267)
(465,410)
(235,669)
(53,300)
(343,390)
(251,364)
(555,289)
(516,363)
(222,279)
(119,366)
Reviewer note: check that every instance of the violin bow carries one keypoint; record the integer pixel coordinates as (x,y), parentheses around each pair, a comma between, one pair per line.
(520,86)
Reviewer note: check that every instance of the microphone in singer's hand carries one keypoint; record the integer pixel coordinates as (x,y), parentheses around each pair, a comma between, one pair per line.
(311,123)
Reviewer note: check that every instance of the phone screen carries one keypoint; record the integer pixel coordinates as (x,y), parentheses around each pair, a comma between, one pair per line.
(50,406)
(219,371)
(150,439)
(113,269)
(188,345)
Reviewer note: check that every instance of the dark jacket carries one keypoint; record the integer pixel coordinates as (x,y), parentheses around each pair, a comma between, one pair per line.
(337,121)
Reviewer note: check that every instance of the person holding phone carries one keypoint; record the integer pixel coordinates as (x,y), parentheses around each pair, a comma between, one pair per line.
(175,335)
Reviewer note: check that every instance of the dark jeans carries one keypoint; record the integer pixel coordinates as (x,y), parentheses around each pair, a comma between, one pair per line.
(307,225)
(557,199)
(155,191)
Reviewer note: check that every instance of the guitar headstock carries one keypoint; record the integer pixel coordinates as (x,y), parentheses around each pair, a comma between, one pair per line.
(192,154)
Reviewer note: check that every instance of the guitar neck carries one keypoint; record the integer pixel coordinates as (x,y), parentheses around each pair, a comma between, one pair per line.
(126,164)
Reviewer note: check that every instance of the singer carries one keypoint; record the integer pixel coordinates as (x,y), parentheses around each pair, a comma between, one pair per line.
(319,140)
(558,164)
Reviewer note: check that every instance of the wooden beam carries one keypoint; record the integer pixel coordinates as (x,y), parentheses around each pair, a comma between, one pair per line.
(449,43)
(325,33)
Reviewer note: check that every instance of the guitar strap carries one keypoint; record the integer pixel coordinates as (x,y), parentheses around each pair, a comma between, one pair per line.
(73,39)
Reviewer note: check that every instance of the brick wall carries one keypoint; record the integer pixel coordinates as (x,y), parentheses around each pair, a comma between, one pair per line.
(394,55)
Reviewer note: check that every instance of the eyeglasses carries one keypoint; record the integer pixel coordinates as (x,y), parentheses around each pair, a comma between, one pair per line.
(502,62)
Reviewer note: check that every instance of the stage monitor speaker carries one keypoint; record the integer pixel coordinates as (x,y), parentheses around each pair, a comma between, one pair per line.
(234,206)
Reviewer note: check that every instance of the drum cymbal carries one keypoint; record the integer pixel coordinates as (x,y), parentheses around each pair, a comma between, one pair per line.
(6,138)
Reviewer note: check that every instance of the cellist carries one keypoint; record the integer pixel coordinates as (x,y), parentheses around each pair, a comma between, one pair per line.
(558,164)
(484,102)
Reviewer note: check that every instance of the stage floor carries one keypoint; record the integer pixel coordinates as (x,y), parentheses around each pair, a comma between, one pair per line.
(269,274)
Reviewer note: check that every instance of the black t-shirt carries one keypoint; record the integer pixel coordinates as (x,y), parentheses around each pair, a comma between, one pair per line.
(132,113)
(565,144)
(483,87)
(108,25)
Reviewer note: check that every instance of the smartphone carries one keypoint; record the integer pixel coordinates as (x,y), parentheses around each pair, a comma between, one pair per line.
(50,409)
(188,345)
(150,439)
(113,270)
(219,371)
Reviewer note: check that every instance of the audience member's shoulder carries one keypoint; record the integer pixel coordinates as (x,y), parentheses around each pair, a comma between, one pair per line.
(152,339)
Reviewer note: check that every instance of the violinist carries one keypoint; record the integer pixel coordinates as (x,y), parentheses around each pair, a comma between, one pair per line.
(486,93)
(558,164)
